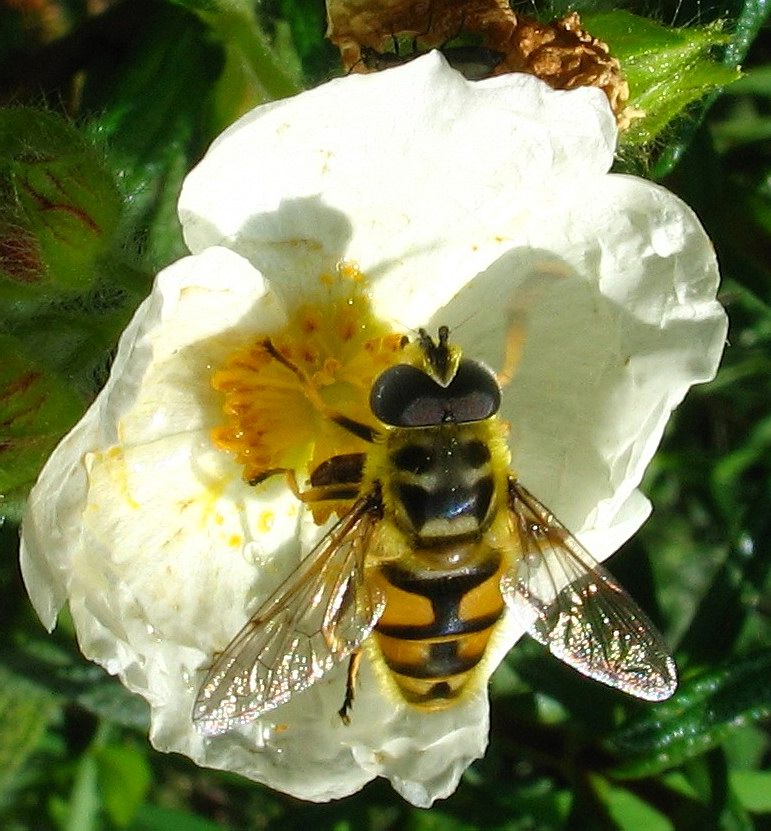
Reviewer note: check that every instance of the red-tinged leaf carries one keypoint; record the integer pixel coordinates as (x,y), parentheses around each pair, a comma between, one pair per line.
(36,409)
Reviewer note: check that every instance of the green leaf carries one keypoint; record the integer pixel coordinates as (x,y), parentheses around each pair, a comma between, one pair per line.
(83,809)
(62,204)
(26,710)
(629,811)
(235,24)
(36,409)
(753,789)
(747,17)
(124,778)
(155,818)
(66,675)
(155,109)
(704,711)
(667,69)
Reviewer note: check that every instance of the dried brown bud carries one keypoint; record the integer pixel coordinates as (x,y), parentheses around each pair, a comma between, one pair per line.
(566,56)
(562,53)
(373,25)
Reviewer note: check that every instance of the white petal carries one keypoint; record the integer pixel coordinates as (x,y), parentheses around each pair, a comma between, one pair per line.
(142,453)
(163,553)
(617,298)
(130,403)
(402,171)
(473,205)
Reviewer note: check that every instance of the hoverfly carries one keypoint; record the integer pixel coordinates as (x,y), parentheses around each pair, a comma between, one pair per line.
(440,542)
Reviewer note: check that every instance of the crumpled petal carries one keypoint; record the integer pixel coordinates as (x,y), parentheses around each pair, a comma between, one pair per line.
(367,158)
(486,207)
(153,599)
(516,216)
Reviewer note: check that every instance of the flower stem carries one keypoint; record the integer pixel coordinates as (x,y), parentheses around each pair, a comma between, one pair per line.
(238,28)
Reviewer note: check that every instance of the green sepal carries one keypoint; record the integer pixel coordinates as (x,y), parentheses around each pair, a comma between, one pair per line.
(666,68)
(61,206)
(36,409)
(704,712)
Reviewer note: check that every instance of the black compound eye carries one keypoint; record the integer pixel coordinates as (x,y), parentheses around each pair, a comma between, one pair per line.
(403,388)
(404,396)
(475,392)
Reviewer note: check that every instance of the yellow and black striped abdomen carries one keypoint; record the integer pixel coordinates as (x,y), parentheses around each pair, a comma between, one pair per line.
(438,618)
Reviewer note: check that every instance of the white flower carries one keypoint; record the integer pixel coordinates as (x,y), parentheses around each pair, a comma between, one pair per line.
(474,205)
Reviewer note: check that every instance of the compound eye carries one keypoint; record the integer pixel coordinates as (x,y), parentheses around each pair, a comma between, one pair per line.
(404,396)
(475,393)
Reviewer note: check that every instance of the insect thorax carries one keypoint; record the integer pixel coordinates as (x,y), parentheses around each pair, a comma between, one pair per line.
(444,482)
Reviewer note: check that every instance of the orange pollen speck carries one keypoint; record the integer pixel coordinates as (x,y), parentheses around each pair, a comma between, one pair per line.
(279,390)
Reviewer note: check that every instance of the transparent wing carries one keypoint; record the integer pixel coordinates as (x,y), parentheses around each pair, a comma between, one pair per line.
(572,605)
(314,620)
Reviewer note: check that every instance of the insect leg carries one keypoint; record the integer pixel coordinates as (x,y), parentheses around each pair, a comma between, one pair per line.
(354,662)
(331,492)
(363,431)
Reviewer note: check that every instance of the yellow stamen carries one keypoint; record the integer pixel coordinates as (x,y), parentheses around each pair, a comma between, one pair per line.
(279,388)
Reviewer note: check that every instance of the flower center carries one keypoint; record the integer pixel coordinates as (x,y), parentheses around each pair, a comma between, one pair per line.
(279,389)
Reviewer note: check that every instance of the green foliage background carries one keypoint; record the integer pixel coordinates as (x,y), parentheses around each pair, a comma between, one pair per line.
(87,216)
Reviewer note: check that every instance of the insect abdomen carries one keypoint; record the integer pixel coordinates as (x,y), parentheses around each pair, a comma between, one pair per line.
(438,621)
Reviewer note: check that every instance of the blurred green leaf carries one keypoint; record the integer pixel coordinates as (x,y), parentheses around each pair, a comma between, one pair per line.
(36,409)
(154,109)
(752,789)
(702,713)
(83,808)
(267,74)
(66,675)
(307,22)
(26,711)
(746,748)
(629,811)
(435,820)
(61,205)
(155,818)
(733,466)
(755,81)
(124,778)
